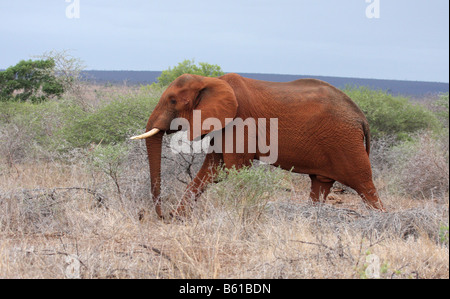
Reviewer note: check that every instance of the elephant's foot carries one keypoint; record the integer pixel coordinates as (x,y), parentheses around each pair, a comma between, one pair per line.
(370,197)
(320,187)
(376,205)
(182,210)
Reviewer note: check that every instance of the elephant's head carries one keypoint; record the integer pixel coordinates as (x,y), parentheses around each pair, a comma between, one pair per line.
(212,96)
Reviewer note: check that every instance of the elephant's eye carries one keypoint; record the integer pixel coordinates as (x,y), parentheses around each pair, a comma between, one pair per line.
(173,101)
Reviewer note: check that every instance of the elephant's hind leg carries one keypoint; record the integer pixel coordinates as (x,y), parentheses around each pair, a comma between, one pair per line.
(320,187)
(369,194)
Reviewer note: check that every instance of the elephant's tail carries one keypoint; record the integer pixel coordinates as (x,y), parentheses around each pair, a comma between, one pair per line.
(367,136)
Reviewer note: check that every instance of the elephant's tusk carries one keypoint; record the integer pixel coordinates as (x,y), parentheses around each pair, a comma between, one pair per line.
(146,135)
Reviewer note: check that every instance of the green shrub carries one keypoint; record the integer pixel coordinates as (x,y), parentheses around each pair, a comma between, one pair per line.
(29,130)
(111,123)
(110,159)
(37,121)
(442,106)
(189,67)
(64,125)
(390,115)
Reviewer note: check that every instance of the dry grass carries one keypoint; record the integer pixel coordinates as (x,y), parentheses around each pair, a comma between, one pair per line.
(90,95)
(45,221)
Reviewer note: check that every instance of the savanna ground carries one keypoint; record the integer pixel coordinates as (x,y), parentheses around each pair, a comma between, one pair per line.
(75,202)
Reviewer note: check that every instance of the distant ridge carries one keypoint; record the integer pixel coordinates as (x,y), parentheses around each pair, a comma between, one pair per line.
(395,87)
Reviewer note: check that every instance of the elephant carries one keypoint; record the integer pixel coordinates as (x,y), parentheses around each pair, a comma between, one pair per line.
(321,132)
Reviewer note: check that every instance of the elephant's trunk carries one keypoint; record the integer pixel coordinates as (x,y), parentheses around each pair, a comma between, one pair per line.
(158,124)
(154,147)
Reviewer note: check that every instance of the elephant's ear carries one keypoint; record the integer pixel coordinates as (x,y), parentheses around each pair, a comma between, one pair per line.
(215,100)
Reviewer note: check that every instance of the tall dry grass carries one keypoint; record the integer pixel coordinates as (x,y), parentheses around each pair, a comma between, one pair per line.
(51,212)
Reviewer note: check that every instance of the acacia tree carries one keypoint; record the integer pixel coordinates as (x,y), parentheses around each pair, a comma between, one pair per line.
(189,67)
(30,80)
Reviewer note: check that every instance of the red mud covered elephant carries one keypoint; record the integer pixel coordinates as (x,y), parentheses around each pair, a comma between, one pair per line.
(319,131)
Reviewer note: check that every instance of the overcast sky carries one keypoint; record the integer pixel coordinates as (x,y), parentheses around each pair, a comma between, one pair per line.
(397,39)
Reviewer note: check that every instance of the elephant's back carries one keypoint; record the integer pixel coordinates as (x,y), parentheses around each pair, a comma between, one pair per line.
(335,100)
(289,98)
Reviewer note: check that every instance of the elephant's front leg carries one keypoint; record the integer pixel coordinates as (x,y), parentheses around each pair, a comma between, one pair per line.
(206,175)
